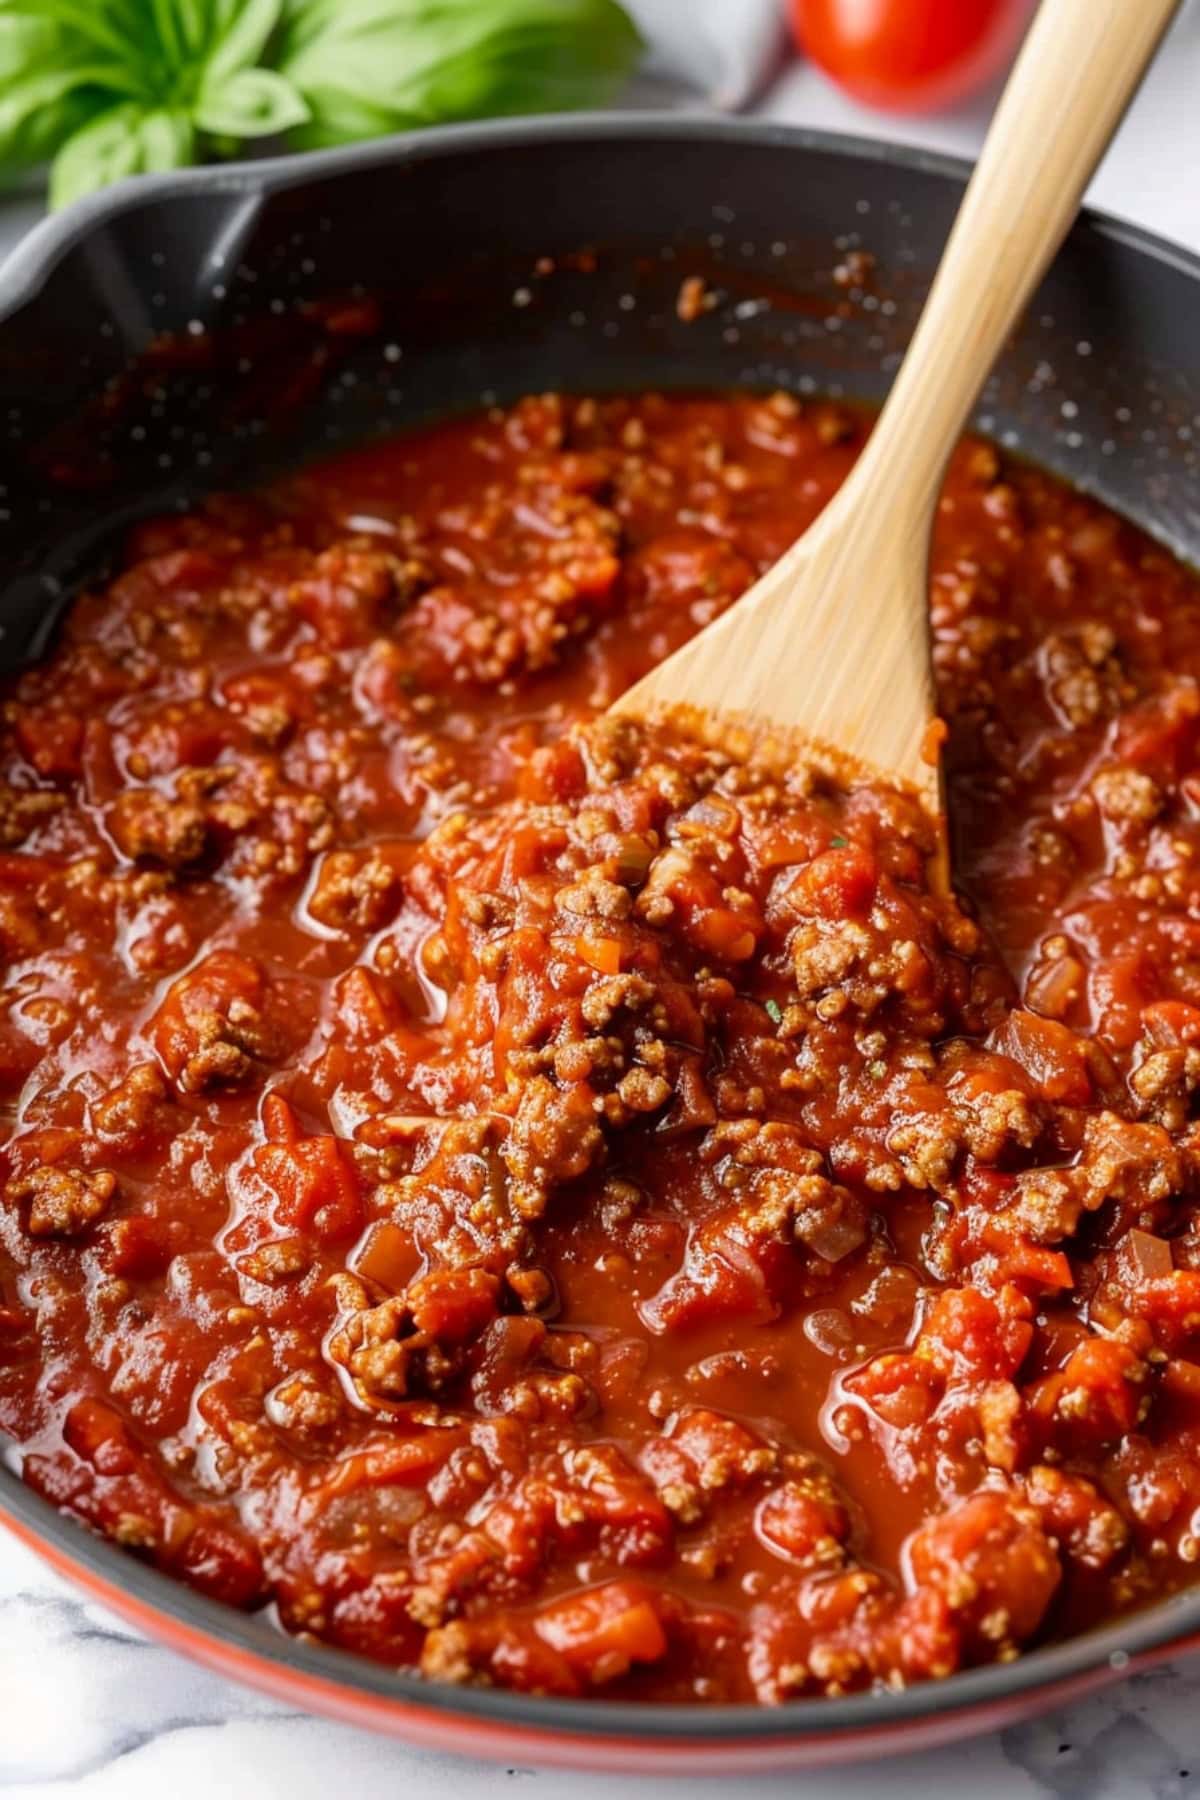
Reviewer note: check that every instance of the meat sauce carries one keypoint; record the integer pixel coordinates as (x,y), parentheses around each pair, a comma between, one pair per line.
(542,1201)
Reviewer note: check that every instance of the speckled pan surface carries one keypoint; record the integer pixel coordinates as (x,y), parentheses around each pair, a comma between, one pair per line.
(197,331)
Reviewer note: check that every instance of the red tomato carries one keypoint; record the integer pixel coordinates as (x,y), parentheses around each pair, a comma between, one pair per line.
(910,55)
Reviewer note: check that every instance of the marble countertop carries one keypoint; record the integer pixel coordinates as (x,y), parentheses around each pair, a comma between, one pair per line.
(91,1711)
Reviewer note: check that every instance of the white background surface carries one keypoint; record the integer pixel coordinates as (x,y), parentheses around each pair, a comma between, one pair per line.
(1151,173)
(88,1712)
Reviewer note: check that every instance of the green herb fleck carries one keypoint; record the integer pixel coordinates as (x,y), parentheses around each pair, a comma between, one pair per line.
(838,843)
(773,1007)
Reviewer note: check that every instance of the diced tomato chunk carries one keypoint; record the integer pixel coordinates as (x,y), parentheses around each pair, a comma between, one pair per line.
(135,1247)
(968,1333)
(603,1631)
(454,1305)
(311,1180)
(1096,1396)
(838,884)
(803,1522)
(991,1559)
(52,740)
(1054,1056)
(386,1462)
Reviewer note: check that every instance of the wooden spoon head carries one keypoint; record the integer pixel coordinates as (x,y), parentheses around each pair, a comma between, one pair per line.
(812,664)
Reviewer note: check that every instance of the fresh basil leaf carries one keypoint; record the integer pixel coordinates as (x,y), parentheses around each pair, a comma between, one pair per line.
(252,103)
(337,117)
(37,114)
(165,24)
(82,27)
(125,140)
(239,33)
(27,46)
(196,26)
(359,63)
(49,86)
(101,151)
(167,140)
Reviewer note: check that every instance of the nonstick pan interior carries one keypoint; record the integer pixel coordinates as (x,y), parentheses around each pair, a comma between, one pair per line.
(198,331)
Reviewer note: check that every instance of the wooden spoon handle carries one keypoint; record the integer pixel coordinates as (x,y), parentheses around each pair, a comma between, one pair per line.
(832,643)
(1080,66)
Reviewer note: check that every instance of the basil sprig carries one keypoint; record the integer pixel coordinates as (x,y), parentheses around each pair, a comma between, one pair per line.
(106,88)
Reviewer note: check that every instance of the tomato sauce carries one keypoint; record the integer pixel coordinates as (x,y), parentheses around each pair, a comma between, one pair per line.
(535,1199)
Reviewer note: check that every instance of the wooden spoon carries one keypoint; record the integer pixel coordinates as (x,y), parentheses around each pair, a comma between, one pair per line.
(831,646)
